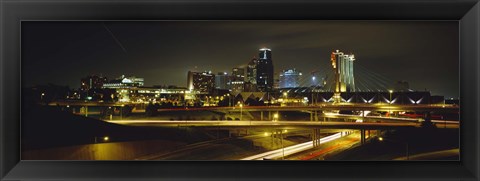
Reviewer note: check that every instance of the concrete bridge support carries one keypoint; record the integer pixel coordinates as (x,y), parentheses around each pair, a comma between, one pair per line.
(316,137)
(362,136)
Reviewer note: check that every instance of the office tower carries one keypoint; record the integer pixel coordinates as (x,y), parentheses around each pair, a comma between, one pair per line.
(252,71)
(343,68)
(265,70)
(201,81)
(222,80)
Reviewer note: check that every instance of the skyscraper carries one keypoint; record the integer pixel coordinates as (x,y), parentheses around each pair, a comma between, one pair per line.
(238,74)
(265,70)
(222,80)
(252,71)
(343,67)
(201,81)
(238,80)
(289,78)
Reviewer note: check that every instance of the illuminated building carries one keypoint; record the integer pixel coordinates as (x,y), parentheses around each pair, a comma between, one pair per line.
(124,82)
(238,74)
(92,82)
(252,71)
(343,68)
(201,81)
(237,87)
(222,80)
(265,70)
(238,80)
(289,78)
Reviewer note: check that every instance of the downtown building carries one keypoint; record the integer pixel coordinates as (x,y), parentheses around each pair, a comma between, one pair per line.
(237,80)
(252,71)
(289,78)
(122,87)
(222,81)
(265,70)
(343,67)
(124,82)
(201,81)
(251,78)
(92,82)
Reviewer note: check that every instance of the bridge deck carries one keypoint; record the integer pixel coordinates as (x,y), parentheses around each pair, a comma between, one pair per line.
(280,124)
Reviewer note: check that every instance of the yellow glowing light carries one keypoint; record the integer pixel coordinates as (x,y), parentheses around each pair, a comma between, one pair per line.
(285,94)
(266,134)
(106,138)
(380,139)
(391,91)
(275,116)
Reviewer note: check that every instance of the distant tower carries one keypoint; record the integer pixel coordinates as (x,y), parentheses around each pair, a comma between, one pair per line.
(343,68)
(265,70)
(222,80)
(237,80)
(252,71)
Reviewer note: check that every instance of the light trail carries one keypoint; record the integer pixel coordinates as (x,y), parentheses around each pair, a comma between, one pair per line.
(295,148)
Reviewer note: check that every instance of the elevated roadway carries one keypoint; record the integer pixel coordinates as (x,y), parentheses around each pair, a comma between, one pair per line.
(284,124)
(319,107)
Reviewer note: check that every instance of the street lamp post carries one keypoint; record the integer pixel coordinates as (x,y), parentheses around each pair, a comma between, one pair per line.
(241,113)
(390,91)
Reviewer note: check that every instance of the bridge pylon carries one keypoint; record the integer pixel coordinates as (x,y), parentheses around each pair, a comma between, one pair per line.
(336,97)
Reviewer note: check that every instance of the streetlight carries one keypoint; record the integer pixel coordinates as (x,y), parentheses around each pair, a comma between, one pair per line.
(275,117)
(241,113)
(390,91)
(41,96)
(105,139)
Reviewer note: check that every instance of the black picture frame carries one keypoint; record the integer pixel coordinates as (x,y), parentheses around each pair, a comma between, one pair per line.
(467,12)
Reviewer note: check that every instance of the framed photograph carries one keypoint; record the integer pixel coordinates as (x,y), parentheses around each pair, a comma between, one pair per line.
(239,90)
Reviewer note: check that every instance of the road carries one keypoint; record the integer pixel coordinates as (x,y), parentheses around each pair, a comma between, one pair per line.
(232,148)
(318,107)
(280,124)
(435,155)
(286,151)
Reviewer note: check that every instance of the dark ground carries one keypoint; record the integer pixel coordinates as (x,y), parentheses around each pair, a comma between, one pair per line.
(395,143)
(48,127)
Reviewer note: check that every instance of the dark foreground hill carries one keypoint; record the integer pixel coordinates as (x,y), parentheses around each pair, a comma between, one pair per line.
(48,127)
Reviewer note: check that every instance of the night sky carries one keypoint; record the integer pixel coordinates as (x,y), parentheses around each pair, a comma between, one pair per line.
(423,53)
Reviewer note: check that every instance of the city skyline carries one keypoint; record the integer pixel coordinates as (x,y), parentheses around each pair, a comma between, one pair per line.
(113,48)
